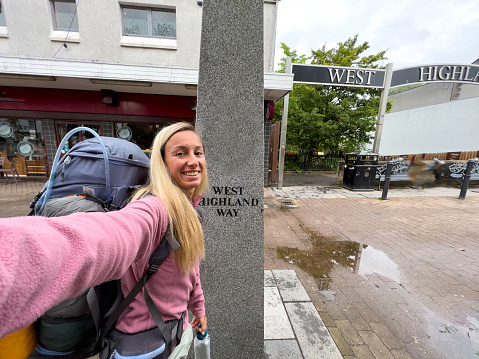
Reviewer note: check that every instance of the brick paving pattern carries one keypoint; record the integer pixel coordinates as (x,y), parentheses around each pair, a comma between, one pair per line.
(415,292)
(15,198)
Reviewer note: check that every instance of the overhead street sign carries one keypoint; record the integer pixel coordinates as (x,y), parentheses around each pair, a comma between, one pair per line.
(436,73)
(376,78)
(338,76)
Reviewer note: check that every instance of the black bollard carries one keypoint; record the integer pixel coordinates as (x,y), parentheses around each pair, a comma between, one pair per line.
(387,179)
(466,179)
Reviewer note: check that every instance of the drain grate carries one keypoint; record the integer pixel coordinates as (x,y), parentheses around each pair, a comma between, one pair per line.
(287,202)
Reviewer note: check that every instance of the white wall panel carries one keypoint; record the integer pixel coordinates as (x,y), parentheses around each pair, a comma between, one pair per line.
(452,126)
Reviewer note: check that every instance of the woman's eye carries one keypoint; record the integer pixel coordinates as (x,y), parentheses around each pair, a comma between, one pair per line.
(199,153)
(179,154)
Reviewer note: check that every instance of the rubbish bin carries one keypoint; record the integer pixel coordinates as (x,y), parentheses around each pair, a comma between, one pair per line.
(360,171)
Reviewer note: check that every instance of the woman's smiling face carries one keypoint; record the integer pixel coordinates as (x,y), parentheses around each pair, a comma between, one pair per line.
(184,157)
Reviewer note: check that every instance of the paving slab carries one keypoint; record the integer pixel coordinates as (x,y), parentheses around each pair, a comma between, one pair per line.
(277,349)
(269,279)
(313,195)
(279,194)
(276,322)
(334,195)
(290,287)
(353,194)
(313,336)
(303,192)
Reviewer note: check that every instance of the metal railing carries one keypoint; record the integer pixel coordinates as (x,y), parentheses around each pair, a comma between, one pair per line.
(312,160)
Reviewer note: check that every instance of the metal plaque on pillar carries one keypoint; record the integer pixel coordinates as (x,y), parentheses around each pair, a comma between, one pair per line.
(230,120)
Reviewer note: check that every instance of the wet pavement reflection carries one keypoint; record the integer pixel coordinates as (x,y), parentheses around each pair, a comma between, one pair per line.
(458,341)
(453,339)
(327,252)
(375,261)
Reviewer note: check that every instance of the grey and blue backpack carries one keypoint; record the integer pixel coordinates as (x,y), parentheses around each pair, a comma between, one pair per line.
(100,175)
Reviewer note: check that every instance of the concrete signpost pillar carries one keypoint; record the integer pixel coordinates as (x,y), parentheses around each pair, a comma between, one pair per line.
(230,120)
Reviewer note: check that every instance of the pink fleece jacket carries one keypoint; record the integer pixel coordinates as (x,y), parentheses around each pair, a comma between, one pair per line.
(44,261)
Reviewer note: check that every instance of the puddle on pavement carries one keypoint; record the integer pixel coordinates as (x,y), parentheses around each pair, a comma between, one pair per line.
(375,261)
(328,252)
(456,341)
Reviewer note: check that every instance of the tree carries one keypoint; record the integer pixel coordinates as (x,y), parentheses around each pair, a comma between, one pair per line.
(330,118)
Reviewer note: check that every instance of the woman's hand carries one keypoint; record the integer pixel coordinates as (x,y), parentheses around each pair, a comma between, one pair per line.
(196,323)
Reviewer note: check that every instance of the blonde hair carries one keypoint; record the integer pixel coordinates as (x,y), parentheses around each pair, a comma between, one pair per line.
(183,218)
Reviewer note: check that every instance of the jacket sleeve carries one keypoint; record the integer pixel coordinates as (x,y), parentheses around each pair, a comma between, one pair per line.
(44,261)
(197,299)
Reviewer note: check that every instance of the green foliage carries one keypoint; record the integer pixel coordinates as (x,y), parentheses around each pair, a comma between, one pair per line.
(294,57)
(332,118)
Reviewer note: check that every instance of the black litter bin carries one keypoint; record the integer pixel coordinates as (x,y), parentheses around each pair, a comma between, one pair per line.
(360,171)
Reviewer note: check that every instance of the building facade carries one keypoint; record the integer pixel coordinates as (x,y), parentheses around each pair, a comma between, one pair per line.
(122,68)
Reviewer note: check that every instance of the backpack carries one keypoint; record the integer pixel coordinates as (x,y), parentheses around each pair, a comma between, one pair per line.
(106,168)
(99,175)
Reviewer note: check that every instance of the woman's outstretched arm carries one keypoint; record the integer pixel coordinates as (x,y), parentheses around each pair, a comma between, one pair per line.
(44,261)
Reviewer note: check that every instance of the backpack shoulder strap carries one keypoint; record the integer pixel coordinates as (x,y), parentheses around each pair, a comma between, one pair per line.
(158,257)
(168,243)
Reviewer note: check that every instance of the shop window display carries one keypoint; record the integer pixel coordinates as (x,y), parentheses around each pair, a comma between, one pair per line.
(64,127)
(23,139)
(140,134)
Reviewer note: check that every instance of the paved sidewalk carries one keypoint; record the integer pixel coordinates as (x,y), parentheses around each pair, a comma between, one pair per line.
(15,198)
(293,328)
(296,192)
(394,279)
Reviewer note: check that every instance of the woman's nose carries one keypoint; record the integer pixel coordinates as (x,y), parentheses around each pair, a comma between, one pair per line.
(192,160)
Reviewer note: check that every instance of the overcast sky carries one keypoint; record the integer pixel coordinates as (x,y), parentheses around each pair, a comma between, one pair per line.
(414,32)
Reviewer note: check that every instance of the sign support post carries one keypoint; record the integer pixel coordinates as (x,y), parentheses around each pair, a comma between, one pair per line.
(382,108)
(284,126)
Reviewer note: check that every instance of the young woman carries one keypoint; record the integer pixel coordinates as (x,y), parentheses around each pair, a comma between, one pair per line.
(46,260)
(178,177)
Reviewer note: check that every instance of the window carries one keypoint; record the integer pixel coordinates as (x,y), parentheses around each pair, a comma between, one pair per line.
(142,134)
(64,15)
(149,22)
(3,22)
(23,139)
(64,127)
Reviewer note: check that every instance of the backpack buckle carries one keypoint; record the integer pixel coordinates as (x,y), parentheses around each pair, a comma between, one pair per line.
(153,268)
